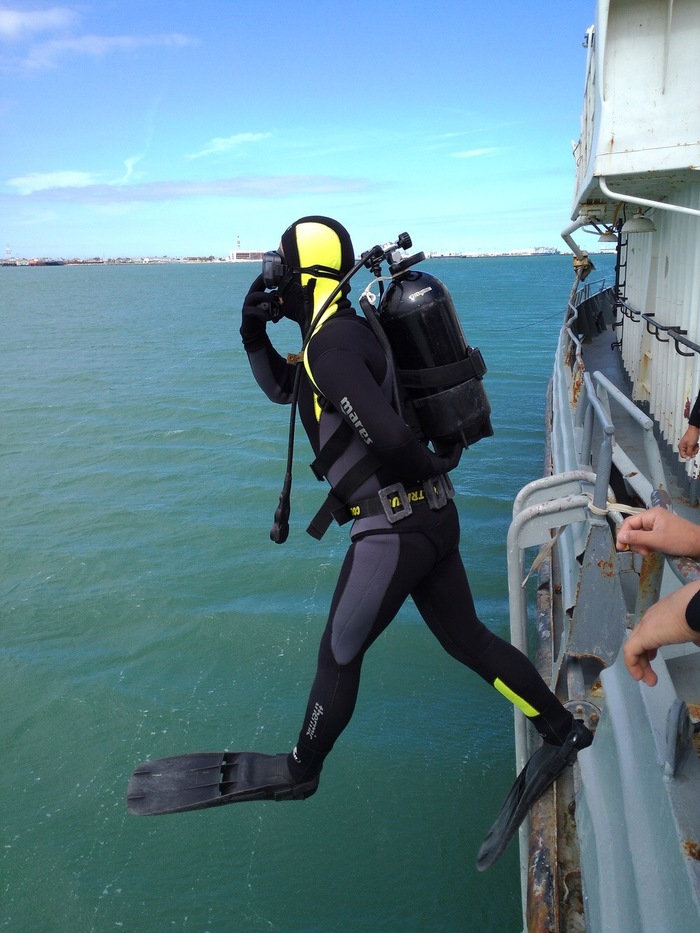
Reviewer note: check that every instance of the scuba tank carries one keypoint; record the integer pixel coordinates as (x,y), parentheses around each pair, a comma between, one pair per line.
(439,373)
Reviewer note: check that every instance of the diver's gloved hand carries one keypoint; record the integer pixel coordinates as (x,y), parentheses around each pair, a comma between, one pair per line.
(259,307)
(443,463)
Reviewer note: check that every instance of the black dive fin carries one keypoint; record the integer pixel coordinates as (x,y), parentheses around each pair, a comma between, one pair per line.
(210,779)
(541,770)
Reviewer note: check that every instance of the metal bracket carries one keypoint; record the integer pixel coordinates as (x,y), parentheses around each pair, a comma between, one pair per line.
(438,491)
(395,491)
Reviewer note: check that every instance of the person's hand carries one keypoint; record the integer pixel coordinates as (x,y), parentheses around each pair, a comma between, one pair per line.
(443,463)
(688,445)
(658,529)
(663,624)
(259,307)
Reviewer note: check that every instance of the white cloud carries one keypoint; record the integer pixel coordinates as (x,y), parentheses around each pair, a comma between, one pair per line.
(45,54)
(15,24)
(84,188)
(129,166)
(46,181)
(225,143)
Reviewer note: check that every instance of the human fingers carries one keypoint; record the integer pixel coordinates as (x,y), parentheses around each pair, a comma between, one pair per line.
(631,539)
(647,531)
(649,676)
(637,661)
(263,305)
(634,522)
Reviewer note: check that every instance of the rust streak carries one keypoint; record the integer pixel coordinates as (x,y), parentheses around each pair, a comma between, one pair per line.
(692,849)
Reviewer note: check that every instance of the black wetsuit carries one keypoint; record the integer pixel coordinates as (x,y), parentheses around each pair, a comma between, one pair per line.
(694,417)
(417,556)
(692,612)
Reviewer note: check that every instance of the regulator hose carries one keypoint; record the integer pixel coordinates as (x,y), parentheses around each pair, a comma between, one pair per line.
(371,315)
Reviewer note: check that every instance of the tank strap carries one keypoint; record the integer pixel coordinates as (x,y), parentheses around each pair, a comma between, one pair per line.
(473,367)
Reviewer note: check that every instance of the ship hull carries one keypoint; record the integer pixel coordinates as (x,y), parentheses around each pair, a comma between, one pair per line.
(615,845)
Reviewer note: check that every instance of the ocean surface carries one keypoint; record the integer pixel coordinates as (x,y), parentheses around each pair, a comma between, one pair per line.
(145,612)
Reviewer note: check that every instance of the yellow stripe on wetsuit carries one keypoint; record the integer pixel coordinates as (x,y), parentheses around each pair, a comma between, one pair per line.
(522,705)
(319,245)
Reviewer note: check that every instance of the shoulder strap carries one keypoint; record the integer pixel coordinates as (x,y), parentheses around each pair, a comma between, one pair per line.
(334,447)
(338,497)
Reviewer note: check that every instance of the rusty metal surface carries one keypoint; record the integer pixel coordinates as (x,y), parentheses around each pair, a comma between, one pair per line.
(555,901)
(554,894)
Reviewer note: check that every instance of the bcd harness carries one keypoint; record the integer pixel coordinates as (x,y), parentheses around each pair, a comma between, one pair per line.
(331,451)
(437,385)
(395,501)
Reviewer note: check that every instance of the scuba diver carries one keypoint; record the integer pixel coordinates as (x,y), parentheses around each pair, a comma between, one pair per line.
(404,537)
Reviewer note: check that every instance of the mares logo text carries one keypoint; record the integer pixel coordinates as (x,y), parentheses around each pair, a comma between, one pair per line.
(352,415)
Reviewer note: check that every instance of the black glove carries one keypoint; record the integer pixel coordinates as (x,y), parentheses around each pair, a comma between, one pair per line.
(445,462)
(259,307)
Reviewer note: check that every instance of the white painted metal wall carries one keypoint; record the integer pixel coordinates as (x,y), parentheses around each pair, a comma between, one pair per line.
(663,279)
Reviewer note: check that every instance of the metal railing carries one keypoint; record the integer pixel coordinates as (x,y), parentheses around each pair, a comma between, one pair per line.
(571,509)
(654,327)
(581,497)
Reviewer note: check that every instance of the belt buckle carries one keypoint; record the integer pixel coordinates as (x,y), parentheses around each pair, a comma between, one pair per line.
(438,491)
(385,496)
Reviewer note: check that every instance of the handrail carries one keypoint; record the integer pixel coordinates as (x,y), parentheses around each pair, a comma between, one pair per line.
(593,410)
(674,331)
(677,333)
(649,488)
(657,476)
(605,455)
(678,338)
(584,292)
(656,327)
(627,310)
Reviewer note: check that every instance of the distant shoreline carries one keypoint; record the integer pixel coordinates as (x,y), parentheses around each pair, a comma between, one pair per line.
(201,260)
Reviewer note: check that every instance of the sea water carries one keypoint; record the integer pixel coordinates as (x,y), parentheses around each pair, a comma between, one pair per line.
(145,612)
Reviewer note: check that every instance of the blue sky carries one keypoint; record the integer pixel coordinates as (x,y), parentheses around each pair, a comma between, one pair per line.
(175,128)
